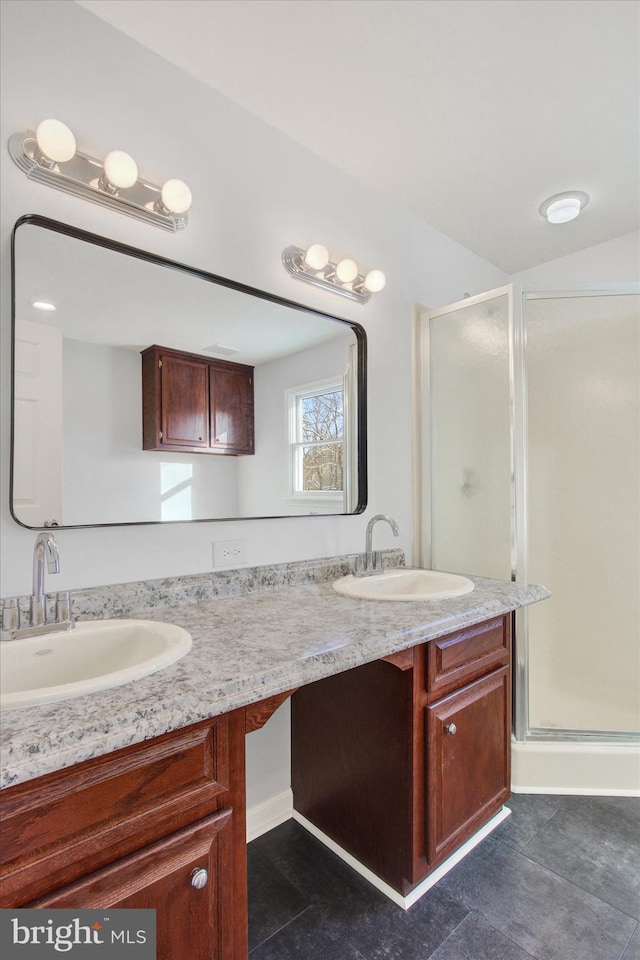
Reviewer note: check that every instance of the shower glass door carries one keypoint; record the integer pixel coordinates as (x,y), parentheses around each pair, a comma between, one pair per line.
(471,458)
(530,439)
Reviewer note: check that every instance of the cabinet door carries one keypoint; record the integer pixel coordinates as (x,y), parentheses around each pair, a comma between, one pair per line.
(232,414)
(185,402)
(468,768)
(192,923)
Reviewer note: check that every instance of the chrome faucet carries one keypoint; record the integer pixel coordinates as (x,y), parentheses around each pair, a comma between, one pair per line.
(46,547)
(371,562)
(45,550)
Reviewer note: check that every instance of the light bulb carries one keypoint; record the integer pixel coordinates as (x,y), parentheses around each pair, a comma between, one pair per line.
(375,281)
(347,270)
(176,196)
(317,256)
(56,141)
(120,170)
(43,305)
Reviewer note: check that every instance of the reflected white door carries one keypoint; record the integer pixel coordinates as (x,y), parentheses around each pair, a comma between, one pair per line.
(37,464)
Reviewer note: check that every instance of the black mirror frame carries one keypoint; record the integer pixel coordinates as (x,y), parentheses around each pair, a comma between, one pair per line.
(100,241)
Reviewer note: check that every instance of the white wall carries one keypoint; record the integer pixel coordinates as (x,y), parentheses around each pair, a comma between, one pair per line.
(108,477)
(615,261)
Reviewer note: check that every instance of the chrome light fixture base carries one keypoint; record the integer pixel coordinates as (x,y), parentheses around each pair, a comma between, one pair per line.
(325,278)
(82,176)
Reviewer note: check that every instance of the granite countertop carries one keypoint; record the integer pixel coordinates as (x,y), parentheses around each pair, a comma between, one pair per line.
(245,648)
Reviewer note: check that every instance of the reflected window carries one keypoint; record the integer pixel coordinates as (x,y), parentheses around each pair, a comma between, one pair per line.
(316,440)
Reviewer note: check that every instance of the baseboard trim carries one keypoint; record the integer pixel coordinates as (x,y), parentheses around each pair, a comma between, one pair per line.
(589,769)
(263,817)
(428,882)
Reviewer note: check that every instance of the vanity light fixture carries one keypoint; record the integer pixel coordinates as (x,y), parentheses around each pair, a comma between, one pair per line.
(563,207)
(50,155)
(313,265)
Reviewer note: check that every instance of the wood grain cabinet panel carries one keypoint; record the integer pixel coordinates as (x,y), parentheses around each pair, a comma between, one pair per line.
(184,402)
(190,923)
(462,656)
(468,769)
(71,822)
(191,403)
(351,763)
(231,405)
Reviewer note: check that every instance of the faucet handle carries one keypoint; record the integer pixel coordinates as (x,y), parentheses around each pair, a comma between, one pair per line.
(10,614)
(63,606)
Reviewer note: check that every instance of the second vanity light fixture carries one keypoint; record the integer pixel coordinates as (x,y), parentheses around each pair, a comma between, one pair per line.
(50,155)
(314,266)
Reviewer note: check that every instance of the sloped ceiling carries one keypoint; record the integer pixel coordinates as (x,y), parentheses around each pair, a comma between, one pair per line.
(468,113)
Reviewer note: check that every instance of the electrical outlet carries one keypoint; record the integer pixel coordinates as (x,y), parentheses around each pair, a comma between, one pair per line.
(229,553)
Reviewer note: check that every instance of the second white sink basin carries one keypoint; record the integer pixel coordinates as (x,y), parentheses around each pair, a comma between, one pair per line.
(96,655)
(402,583)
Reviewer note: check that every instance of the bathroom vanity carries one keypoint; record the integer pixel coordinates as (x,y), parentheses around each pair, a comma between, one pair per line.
(400,761)
(127,797)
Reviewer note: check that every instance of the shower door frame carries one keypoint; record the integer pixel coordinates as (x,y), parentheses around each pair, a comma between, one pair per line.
(517,298)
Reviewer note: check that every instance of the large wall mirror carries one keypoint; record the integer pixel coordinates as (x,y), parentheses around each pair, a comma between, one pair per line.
(77,439)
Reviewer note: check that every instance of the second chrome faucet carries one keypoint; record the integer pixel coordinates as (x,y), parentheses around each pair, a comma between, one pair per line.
(370,563)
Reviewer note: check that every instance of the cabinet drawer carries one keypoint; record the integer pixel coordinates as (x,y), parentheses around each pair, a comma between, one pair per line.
(461,657)
(190,922)
(103,809)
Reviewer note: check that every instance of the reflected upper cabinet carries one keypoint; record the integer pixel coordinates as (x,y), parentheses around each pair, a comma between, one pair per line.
(109,427)
(192,403)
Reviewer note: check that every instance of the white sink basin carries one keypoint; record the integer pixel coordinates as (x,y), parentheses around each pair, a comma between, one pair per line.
(403,583)
(96,655)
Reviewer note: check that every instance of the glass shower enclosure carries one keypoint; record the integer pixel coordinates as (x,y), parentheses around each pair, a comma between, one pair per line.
(529,432)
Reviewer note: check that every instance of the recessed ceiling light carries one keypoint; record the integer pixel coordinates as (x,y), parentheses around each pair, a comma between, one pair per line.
(43,305)
(563,207)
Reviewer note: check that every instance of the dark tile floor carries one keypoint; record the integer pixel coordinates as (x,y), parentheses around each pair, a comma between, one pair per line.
(558,880)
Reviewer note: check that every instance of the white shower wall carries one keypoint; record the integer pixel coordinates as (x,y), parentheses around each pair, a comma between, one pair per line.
(583,370)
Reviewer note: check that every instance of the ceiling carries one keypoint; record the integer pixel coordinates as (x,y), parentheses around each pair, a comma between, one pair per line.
(467,113)
(107,297)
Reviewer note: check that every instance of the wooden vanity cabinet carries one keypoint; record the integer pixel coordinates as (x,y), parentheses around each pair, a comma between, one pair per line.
(193,404)
(400,761)
(129,829)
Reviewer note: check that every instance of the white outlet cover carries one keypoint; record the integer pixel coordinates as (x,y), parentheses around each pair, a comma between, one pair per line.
(229,553)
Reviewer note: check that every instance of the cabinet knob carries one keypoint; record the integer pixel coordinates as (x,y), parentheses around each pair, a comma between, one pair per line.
(199,878)
(450,728)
